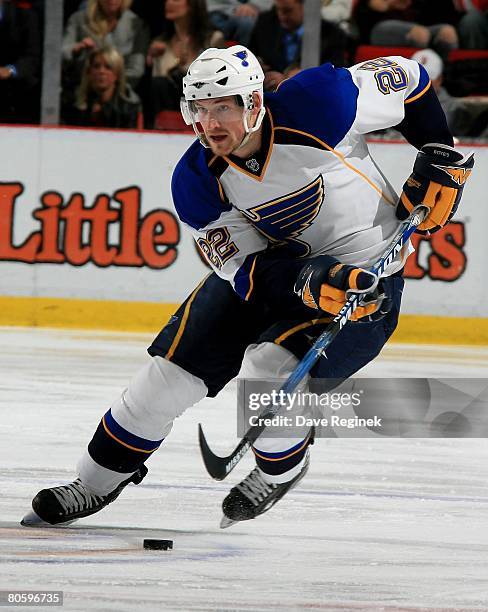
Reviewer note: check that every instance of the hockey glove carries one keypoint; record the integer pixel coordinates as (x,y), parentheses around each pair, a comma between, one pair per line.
(323,286)
(437,181)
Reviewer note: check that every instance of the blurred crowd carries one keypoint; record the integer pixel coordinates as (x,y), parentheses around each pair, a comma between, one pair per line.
(123,60)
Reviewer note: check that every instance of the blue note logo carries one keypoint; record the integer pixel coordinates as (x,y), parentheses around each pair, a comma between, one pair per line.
(242,55)
(285,218)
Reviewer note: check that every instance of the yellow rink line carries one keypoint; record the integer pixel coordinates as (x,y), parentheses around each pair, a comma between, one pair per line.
(151,316)
(85,314)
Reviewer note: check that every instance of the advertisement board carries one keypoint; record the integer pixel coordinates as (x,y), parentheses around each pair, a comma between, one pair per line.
(88,215)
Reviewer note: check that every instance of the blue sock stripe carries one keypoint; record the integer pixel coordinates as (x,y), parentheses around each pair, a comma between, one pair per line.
(127,438)
(281,466)
(282,454)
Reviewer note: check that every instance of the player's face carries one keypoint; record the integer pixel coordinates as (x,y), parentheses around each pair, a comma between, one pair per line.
(222,122)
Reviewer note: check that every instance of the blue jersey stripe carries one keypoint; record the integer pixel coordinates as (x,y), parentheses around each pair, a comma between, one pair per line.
(424,81)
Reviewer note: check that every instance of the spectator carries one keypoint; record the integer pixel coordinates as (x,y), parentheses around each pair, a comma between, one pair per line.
(103,98)
(428,11)
(236,18)
(398,23)
(187,33)
(107,22)
(473,26)
(465,116)
(150,12)
(337,11)
(19,64)
(277,41)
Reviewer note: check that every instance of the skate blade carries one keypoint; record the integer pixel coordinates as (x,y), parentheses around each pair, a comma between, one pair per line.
(227,522)
(31,519)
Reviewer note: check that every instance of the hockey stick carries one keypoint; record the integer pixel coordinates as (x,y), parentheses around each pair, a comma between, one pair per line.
(220,467)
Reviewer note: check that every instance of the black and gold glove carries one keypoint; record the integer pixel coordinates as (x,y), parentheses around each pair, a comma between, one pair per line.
(437,181)
(322,285)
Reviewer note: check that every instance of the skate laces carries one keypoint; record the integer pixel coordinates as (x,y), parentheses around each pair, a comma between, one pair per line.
(75,497)
(255,488)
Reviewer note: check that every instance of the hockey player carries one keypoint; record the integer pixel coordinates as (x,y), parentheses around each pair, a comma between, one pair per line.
(284,200)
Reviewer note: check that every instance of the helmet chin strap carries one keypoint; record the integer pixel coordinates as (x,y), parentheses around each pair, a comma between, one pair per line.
(243,143)
(248,130)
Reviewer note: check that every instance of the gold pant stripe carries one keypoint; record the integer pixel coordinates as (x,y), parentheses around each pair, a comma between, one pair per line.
(291,331)
(184,320)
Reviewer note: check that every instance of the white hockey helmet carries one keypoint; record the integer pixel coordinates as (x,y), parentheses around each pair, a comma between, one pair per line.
(217,73)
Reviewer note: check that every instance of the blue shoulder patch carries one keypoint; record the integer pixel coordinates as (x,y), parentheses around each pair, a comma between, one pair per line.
(196,193)
(320,101)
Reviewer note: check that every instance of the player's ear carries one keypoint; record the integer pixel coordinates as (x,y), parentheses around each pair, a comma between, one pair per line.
(257,101)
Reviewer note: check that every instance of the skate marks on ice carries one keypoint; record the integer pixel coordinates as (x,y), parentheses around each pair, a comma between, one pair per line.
(386,526)
(202,556)
(99,544)
(120,548)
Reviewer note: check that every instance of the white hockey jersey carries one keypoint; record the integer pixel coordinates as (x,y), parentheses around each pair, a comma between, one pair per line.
(313,188)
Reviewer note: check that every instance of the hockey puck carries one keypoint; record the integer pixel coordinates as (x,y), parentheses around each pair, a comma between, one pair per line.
(158,544)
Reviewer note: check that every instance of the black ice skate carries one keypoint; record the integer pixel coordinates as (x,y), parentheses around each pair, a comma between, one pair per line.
(67,503)
(254,495)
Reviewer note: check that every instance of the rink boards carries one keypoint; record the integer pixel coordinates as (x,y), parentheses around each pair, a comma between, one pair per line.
(89,237)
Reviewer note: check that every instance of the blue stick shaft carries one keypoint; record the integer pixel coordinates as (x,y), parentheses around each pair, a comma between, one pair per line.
(402,236)
(220,467)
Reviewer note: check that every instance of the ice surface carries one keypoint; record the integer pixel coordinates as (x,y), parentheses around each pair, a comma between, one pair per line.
(377,525)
